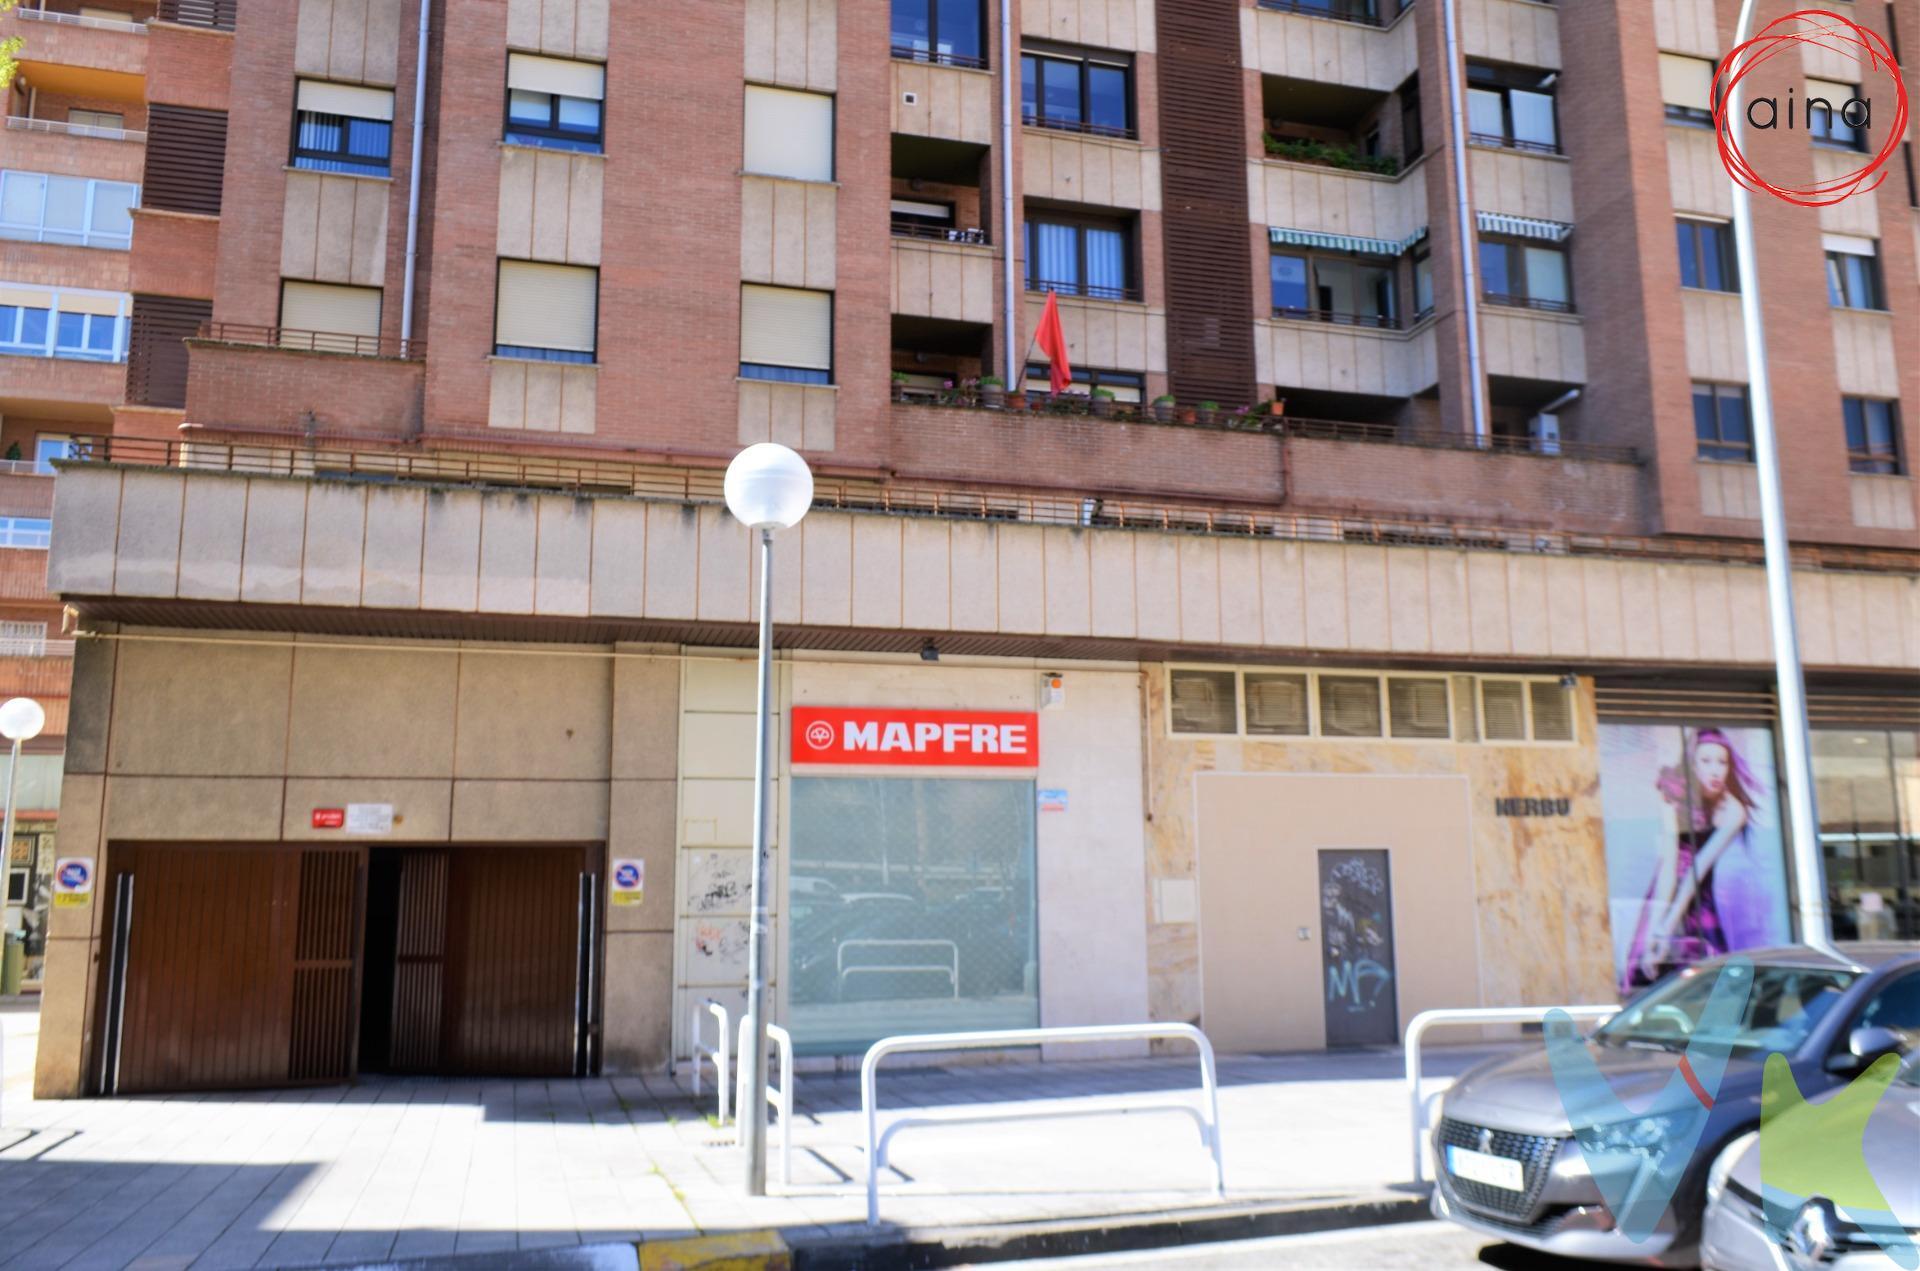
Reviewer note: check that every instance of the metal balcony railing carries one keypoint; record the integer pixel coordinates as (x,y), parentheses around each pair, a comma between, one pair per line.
(1390,434)
(1361,11)
(61,128)
(312,341)
(1383,321)
(1527,302)
(77,19)
(908,53)
(938,233)
(1091,290)
(35,648)
(1033,120)
(1513,143)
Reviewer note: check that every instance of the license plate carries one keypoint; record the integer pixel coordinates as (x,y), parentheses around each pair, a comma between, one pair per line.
(1479,1167)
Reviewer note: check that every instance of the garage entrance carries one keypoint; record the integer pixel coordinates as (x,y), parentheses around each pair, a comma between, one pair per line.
(274,965)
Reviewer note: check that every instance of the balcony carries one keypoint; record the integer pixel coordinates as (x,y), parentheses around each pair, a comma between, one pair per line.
(1537,340)
(1363,12)
(948,279)
(1293,353)
(269,380)
(951,103)
(60,128)
(1311,42)
(60,388)
(69,55)
(1522,32)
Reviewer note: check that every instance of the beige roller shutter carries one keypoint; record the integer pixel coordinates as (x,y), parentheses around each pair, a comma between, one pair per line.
(92,302)
(780,326)
(312,312)
(26,298)
(556,75)
(1686,81)
(346,99)
(547,306)
(789,134)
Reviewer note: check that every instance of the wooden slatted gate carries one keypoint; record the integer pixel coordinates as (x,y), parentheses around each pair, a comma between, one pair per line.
(232,967)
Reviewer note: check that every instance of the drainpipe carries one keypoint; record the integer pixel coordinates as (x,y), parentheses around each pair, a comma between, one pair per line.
(413,180)
(1463,209)
(1015,374)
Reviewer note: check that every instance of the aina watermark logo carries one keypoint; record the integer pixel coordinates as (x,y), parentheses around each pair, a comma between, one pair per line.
(1776,95)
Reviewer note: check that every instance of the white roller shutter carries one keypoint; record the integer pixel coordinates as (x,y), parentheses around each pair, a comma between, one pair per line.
(533,74)
(350,100)
(1686,81)
(547,306)
(109,304)
(340,311)
(780,326)
(789,134)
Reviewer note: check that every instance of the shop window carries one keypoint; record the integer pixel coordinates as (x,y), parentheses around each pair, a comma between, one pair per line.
(911,909)
(1349,706)
(1204,702)
(1417,707)
(1277,705)
(1503,710)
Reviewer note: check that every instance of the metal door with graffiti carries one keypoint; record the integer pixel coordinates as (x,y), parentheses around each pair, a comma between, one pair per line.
(1356,948)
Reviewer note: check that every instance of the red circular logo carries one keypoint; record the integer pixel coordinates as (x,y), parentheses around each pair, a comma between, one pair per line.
(820,735)
(1835,34)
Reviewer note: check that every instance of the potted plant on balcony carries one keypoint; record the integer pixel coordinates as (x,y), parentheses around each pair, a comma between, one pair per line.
(1163,407)
(1209,412)
(1102,401)
(899,386)
(993,392)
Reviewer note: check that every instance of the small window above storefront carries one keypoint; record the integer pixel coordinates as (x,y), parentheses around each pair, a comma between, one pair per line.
(1368,705)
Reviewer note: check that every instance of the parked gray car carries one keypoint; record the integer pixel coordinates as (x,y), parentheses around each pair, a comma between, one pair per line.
(1830,1015)
(1818,1237)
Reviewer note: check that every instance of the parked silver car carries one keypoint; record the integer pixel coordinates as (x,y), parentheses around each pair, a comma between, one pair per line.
(1507,1163)
(1818,1237)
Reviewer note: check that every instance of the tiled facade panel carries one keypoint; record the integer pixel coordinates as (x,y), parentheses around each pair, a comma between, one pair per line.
(550,205)
(1521,32)
(950,102)
(787,233)
(1299,47)
(1327,200)
(560,28)
(334,229)
(1125,25)
(352,41)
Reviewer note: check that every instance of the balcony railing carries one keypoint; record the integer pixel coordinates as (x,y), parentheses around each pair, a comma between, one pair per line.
(1390,434)
(907,53)
(313,341)
(1087,126)
(61,128)
(77,19)
(1513,143)
(218,15)
(1092,290)
(1528,302)
(40,647)
(1383,321)
(939,233)
(1360,11)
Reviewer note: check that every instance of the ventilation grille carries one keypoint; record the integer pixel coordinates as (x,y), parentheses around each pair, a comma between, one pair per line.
(1203,702)
(1552,711)
(156,350)
(1277,705)
(1503,708)
(186,159)
(1349,706)
(218,15)
(1418,708)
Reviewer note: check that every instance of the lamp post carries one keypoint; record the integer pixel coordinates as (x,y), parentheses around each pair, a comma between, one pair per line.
(768,487)
(21,719)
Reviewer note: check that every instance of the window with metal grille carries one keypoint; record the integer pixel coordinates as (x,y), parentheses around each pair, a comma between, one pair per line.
(1503,710)
(1277,704)
(1204,702)
(1417,707)
(1349,706)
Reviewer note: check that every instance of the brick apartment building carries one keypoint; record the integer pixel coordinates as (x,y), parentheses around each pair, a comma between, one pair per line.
(1372,637)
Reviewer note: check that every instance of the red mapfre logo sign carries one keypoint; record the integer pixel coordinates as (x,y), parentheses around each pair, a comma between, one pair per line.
(877,736)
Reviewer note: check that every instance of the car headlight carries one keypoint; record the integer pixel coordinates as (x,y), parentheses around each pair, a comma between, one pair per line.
(1643,1136)
(1722,1168)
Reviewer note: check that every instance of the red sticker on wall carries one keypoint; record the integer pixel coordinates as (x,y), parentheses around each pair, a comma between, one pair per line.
(869,736)
(329,818)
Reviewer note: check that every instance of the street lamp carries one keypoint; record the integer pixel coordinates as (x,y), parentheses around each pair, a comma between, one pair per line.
(768,487)
(21,719)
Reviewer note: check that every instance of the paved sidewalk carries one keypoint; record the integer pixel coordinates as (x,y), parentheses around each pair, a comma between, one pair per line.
(395,1168)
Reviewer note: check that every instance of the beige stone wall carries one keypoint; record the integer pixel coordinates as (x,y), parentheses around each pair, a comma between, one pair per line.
(550,203)
(542,396)
(1687,26)
(1301,354)
(1331,201)
(1531,344)
(560,28)
(1524,32)
(1512,911)
(1863,353)
(335,229)
(1518,183)
(951,102)
(1108,171)
(350,40)
(220,737)
(1276,42)
(1716,340)
(787,232)
(1104,24)
(1111,334)
(1882,502)
(943,280)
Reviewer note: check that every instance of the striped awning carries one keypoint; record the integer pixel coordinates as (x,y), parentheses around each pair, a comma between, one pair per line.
(1523,227)
(1343,242)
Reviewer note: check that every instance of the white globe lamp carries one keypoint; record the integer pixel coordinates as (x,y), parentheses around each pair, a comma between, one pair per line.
(769,487)
(21,719)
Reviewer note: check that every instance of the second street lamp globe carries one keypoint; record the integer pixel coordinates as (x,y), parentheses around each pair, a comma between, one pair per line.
(21,719)
(769,487)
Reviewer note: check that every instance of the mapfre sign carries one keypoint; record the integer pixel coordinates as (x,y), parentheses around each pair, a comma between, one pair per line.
(877,736)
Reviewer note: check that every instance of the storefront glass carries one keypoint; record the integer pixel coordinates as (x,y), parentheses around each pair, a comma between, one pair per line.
(911,904)
(1695,858)
(1869,795)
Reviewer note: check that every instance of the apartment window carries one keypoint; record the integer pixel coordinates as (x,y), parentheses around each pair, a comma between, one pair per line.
(1422,284)
(105,120)
(1527,274)
(1873,434)
(786,335)
(946,31)
(1721,427)
(1686,86)
(1087,92)
(1706,255)
(23,639)
(1525,710)
(343,128)
(25,531)
(546,312)
(54,209)
(1827,117)
(329,319)
(1126,386)
(789,134)
(88,336)
(1413,138)
(24,322)
(1204,702)
(555,103)
(88,326)
(1853,272)
(50,446)
(1080,256)
(1511,109)
(1341,289)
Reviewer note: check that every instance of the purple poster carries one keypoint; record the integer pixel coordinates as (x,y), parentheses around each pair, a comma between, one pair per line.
(1695,860)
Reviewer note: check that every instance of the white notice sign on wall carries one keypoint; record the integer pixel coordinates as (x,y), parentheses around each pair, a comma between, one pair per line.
(369,818)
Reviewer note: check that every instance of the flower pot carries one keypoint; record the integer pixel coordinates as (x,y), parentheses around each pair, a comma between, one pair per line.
(1016,401)
(1103,407)
(1163,412)
(993,396)
(899,391)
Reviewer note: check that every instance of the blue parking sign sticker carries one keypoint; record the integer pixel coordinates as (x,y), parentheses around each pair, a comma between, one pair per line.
(72,881)
(629,882)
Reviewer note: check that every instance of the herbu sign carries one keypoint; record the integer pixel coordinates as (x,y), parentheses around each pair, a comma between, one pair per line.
(872,736)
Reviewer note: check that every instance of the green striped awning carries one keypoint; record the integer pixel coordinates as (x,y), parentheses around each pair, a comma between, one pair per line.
(1523,227)
(1343,242)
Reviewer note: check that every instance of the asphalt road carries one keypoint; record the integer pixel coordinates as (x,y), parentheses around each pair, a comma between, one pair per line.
(1420,1246)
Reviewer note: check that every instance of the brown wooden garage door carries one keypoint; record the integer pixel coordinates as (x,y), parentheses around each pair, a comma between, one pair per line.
(238,966)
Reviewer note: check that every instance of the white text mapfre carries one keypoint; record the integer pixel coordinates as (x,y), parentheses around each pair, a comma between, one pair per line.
(885,737)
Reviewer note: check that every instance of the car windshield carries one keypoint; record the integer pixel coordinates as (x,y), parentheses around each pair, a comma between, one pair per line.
(1785,1005)
(1909,1074)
